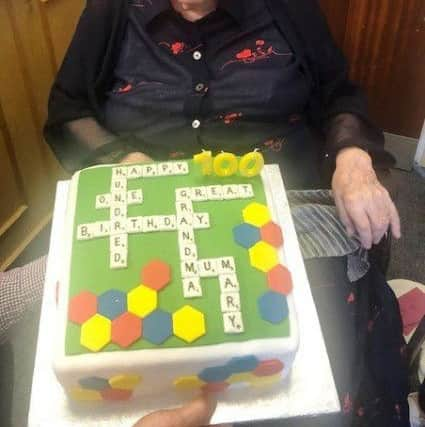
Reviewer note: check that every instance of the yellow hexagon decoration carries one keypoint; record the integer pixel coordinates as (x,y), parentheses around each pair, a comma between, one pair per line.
(256,214)
(142,300)
(96,333)
(188,383)
(263,256)
(125,381)
(265,381)
(188,324)
(83,395)
(244,377)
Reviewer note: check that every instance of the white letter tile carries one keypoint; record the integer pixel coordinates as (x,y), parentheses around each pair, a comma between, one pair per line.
(135,197)
(184,220)
(118,242)
(118,259)
(228,283)
(207,267)
(85,232)
(201,220)
(118,226)
(167,222)
(230,302)
(135,224)
(180,168)
(134,172)
(199,194)
(186,235)
(215,192)
(118,184)
(183,194)
(192,287)
(119,172)
(230,192)
(101,229)
(189,269)
(184,208)
(188,252)
(246,191)
(118,212)
(150,170)
(103,201)
(233,323)
(226,265)
(165,169)
(150,223)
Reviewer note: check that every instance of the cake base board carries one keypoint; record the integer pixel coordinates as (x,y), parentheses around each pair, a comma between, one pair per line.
(296,396)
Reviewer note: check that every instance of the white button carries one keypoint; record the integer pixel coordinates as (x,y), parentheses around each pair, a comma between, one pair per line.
(196,124)
(197,55)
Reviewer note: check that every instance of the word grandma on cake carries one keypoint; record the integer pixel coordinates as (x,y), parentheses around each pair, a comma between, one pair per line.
(175,280)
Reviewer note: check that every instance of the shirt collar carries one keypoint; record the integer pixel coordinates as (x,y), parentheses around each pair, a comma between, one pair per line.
(152,8)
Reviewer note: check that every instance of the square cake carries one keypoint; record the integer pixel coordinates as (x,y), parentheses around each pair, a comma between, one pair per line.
(173,282)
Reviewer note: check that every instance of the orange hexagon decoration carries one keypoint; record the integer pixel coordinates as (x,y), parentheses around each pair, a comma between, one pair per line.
(280,280)
(271,233)
(82,307)
(156,275)
(126,329)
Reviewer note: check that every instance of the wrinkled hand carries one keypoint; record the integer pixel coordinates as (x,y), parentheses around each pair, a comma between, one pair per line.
(196,413)
(363,204)
(136,157)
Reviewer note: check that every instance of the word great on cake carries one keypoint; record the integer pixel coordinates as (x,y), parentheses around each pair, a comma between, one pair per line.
(164,259)
(227,164)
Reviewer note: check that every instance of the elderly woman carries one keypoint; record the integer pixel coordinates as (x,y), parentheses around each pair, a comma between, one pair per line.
(158,79)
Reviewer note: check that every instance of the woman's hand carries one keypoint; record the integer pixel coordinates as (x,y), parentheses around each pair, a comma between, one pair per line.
(364,205)
(136,157)
(196,413)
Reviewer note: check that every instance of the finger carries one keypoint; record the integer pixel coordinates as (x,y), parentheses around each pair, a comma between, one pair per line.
(196,413)
(395,221)
(362,225)
(343,215)
(378,211)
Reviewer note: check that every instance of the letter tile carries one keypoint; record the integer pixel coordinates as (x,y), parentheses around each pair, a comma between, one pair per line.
(85,232)
(180,168)
(246,191)
(118,184)
(201,220)
(134,171)
(118,259)
(233,323)
(165,168)
(230,192)
(228,283)
(192,287)
(183,194)
(189,269)
(199,194)
(207,267)
(101,228)
(103,201)
(118,198)
(118,242)
(167,222)
(226,265)
(135,224)
(119,172)
(150,170)
(150,223)
(215,192)
(186,235)
(188,252)
(118,212)
(118,226)
(184,220)
(135,197)
(230,302)
(184,208)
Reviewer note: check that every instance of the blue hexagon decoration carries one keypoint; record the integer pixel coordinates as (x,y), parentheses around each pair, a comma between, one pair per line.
(94,383)
(246,235)
(112,304)
(216,374)
(273,307)
(157,327)
(238,365)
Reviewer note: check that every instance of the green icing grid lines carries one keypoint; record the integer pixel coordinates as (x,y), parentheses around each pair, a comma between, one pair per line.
(90,269)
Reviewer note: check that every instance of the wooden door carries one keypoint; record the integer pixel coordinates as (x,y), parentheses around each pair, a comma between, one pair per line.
(384,42)
(33,38)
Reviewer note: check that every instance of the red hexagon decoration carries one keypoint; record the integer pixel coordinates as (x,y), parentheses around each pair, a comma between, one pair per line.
(82,307)
(156,275)
(116,394)
(280,280)
(126,329)
(272,234)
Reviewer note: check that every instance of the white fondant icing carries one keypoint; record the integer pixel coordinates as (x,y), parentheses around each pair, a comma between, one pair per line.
(180,168)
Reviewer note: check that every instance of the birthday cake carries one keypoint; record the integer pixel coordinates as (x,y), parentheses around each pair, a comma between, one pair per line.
(174,281)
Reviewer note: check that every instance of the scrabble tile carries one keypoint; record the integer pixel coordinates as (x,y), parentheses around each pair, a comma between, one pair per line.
(201,220)
(184,208)
(228,283)
(134,224)
(103,201)
(150,170)
(192,287)
(233,323)
(119,172)
(118,241)
(134,171)
(135,197)
(118,184)
(118,259)
(85,232)
(185,235)
(184,220)
(167,222)
(189,269)
(245,191)
(188,252)
(215,192)
(230,192)
(165,168)
(150,223)
(183,194)
(230,302)
(101,228)
(226,265)
(199,194)
(118,226)
(180,168)
(207,268)
(118,212)
(118,198)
